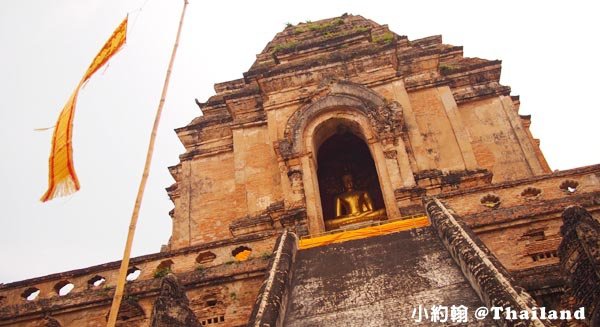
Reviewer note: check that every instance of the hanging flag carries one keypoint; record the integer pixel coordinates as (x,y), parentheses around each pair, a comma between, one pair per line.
(62,179)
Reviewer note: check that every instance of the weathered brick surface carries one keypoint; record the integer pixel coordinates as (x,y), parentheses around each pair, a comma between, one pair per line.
(435,123)
(419,105)
(376,281)
(523,232)
(495,145)
(233,286)
(468,201)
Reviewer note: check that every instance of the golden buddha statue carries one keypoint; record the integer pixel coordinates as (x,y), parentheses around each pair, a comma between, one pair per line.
(353,206)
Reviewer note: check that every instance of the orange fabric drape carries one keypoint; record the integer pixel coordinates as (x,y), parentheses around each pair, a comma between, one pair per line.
(388,228)
(62,179)
(243,255)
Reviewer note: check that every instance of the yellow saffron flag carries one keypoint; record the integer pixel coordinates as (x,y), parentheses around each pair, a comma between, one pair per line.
(62,179)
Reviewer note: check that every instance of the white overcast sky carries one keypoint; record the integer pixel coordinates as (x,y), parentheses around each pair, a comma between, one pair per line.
(549,49)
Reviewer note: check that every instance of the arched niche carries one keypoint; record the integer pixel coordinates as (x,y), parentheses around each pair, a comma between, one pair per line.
(327,127)
(344,153)
(368,116)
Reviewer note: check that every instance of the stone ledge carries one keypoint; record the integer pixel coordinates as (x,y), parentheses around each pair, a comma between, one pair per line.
(138,260)
(145,288)
(527,211)
(428,180)
(524,181)
(539,278)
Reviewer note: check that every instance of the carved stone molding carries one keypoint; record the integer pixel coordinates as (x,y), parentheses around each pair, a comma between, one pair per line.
(384,116)
(391,154)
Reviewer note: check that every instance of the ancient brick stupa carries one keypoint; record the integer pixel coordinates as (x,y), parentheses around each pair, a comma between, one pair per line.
(349,178)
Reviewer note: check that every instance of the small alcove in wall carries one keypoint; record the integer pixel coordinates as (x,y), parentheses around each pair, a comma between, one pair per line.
(342,152)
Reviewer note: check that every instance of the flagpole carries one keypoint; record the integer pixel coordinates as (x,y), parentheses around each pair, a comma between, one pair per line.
(116,303)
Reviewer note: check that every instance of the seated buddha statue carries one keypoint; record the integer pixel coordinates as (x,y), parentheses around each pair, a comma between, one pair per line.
(353,206)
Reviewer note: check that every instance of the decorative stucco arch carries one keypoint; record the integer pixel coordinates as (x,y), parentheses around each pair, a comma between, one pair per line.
(367,115)
(384,117)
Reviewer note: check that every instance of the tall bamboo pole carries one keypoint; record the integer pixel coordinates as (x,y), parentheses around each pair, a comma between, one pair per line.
(116,303)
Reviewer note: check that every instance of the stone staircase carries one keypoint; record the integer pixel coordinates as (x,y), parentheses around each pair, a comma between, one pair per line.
(377,281)
(389,279)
